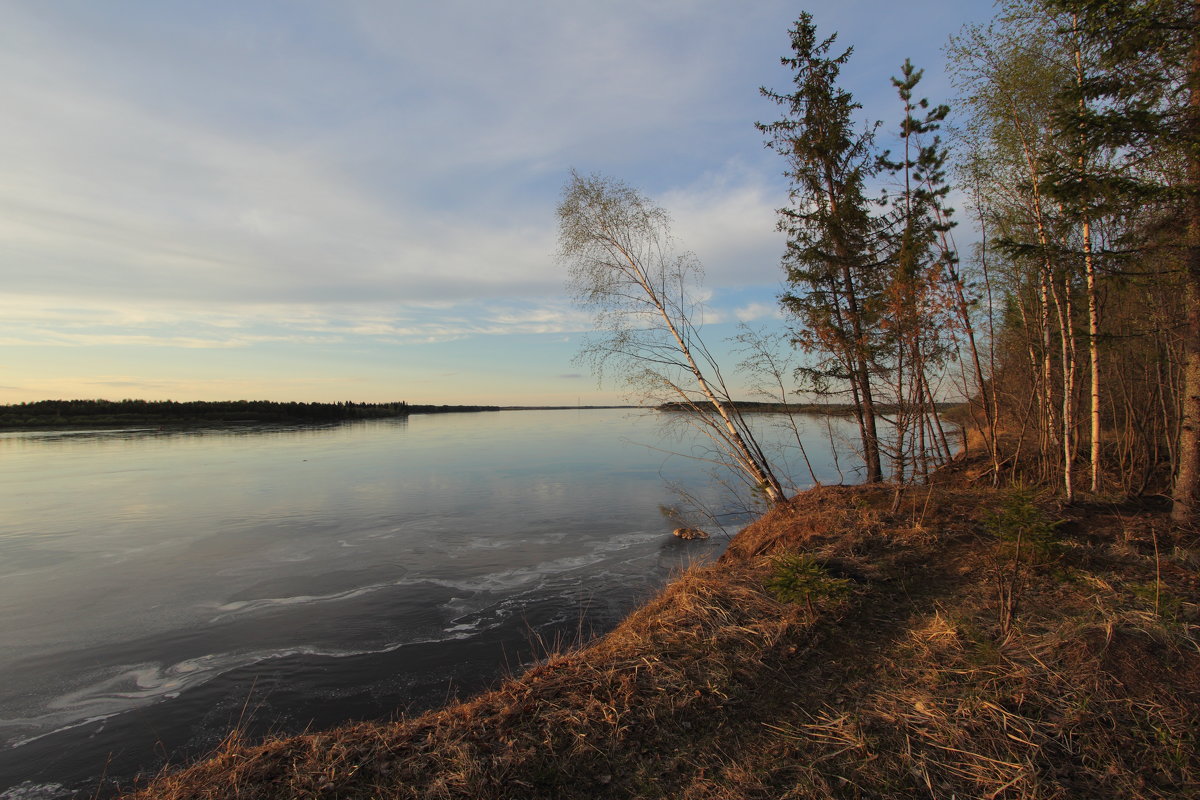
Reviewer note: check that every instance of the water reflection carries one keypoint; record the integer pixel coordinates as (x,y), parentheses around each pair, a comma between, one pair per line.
(143,569)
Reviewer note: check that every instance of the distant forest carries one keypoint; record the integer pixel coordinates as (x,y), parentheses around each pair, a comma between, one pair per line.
(829,409)
(167,412)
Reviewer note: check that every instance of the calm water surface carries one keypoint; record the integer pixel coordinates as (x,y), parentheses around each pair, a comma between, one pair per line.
(158,588)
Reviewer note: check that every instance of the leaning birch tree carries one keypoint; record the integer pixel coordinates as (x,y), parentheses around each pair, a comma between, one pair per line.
(616,245)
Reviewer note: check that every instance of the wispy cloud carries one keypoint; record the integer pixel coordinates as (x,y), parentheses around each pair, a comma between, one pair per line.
(97,323)
(728,219)
(752,312)
(434,180)
(238,176)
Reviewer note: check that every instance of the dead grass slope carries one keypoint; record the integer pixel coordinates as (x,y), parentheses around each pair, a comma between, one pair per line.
(907,685)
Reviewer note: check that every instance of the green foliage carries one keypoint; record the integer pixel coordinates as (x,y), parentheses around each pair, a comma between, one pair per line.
(798,578)
(1165,604)
(1022,526)
(835,277)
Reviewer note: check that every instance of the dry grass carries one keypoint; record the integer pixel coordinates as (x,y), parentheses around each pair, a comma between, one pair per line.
(905,688)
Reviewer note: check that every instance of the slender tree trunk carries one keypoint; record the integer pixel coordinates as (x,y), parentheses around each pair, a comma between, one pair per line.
(1165,393)
(1066,313)
(916,413)
(1047,273)
(1186,500)
(871,441)
(748,459)
(859,370)
(936,421)
(899,463)
(1038,393)
(986,399)
(1089,265)
(987,285)
(1093,352)
(1048,414)
(859,415)
(847,358)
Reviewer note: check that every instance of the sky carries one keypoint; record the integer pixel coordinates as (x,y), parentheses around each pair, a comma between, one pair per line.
(355,199)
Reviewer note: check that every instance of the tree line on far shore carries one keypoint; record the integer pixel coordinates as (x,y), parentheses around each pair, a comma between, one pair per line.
(124,412)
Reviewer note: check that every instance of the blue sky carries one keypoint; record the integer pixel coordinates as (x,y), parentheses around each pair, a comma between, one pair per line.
(354,199)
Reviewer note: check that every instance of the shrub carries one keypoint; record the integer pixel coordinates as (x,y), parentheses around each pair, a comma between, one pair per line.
(1021,525)
(798,578)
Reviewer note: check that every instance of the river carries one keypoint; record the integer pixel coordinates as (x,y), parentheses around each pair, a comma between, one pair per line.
(161,587)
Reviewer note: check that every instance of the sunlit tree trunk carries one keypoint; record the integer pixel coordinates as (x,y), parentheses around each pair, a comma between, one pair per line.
(1186,497)
(1089,267)
(1065,311)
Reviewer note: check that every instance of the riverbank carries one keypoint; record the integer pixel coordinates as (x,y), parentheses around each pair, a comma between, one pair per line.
(854,642)
(819,409)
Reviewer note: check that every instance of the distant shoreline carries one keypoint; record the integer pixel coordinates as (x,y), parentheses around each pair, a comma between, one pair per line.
(565,408)
(107,413)
(828,409)
(45,414)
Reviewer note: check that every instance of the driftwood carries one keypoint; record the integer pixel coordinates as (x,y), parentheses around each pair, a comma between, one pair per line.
(690,533)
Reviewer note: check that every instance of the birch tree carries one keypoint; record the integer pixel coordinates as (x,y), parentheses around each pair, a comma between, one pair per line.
(622,266)
(1141,101)
(1009,76)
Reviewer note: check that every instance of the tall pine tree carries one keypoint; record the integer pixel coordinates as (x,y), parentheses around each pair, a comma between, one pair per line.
(917,220)
(832,267)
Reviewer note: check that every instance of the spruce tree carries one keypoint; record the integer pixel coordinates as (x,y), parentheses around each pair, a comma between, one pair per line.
(832,265)
(917,256)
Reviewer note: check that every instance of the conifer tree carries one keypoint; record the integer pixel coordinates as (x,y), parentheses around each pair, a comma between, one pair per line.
(832,264)
(913,303)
